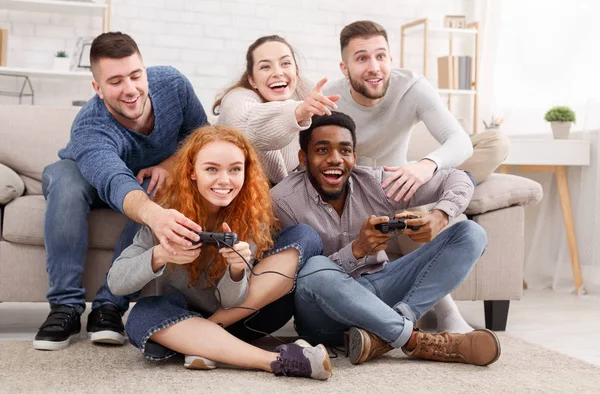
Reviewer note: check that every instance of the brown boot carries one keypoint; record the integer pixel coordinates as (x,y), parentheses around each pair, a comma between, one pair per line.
(480,347)
(363,346)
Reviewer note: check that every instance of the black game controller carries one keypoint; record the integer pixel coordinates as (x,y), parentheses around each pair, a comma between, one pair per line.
(395,224)
(217,238)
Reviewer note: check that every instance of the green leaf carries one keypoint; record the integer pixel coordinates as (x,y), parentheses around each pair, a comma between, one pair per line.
(560,114)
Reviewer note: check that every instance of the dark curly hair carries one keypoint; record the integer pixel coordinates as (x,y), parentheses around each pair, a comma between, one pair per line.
(336,118)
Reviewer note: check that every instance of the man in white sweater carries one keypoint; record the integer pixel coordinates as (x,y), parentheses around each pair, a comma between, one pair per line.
(386,103)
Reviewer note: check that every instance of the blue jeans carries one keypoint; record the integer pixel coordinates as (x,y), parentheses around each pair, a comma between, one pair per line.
(69,198)
(386,303)
(155,313)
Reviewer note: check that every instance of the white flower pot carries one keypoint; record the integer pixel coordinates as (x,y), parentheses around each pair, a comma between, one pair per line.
(62,63)
(560,130)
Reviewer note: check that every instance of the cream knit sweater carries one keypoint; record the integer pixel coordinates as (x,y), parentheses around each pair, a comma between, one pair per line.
(270,126)
(383,131)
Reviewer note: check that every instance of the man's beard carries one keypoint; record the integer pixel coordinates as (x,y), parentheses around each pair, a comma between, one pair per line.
(361,88)
(327,196)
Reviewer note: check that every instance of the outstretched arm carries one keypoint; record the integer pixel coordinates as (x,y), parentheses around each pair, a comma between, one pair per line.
(169,226)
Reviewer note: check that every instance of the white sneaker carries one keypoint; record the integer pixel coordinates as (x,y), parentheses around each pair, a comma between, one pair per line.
(302,343)
(198,362)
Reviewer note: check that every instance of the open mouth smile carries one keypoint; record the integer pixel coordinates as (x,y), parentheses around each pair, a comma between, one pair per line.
(221,192)
(131,101)
(333,176)
(374,81)
(278,86)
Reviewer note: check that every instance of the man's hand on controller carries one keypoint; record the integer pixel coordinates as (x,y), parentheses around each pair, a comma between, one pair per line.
(171,227)
(408,178)
(431,223)
(236,263)
(369,237)
(158,174)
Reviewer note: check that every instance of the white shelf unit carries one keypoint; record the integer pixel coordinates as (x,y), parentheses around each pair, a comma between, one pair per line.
(440,30)
(73,7)
(33,72)
(423,26)
(57,6)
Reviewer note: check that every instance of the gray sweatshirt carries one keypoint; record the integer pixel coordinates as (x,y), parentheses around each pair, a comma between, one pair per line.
(132,270)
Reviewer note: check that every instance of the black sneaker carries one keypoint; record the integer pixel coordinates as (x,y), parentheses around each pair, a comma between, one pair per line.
(55,333)
(106,326)
(299,359)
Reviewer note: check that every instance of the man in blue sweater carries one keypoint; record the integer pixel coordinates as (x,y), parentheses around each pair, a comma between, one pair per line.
(119,153)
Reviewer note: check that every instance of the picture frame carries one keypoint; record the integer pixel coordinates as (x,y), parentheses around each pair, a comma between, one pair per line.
(455,21)
(81,55)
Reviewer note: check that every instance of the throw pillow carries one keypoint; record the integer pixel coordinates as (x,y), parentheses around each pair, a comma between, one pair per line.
(11,185)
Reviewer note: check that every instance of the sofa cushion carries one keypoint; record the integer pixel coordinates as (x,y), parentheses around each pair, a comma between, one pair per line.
(32,186)
(24,223)
(11,186)
(503,190)
(32,135)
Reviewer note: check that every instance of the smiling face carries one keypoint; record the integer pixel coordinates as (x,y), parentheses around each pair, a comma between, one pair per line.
(219,173)
(329,160)
(366,63)
(123,85)
(274,72)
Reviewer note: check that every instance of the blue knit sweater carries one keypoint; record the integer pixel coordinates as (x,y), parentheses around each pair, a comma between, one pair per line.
(109,155)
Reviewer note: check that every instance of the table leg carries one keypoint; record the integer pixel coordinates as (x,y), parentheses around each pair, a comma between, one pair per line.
(565,203)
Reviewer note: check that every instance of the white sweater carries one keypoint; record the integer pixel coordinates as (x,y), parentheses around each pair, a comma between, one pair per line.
(383,131)
(270,126)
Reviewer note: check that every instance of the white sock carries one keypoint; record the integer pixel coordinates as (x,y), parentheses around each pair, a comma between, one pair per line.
(449,318)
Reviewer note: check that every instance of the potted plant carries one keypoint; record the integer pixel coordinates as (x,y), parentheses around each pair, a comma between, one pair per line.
(61,61)
(560,118)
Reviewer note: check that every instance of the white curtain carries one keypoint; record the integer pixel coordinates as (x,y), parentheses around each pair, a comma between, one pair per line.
(537,54)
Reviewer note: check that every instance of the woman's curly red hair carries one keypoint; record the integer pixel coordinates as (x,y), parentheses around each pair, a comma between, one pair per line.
(250,215)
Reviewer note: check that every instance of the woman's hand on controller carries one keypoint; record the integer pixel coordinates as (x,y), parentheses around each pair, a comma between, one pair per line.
(184,255)
(237,262)
(316,103)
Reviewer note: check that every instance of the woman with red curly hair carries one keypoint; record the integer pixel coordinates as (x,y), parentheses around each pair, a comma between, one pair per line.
(208,294)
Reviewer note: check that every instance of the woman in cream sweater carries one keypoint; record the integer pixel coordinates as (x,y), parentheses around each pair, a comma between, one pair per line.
(271,103)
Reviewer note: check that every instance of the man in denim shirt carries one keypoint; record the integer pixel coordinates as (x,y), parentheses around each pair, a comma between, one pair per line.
(354,286)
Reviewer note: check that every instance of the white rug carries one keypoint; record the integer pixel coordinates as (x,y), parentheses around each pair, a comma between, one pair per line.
(85,368)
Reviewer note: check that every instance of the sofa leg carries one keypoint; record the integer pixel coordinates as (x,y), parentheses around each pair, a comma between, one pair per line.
(496,314)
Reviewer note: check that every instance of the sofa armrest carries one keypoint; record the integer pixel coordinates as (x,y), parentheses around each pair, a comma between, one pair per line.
(502,191)
(11,185)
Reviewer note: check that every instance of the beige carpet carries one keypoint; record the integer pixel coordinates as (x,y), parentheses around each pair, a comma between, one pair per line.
(85,368)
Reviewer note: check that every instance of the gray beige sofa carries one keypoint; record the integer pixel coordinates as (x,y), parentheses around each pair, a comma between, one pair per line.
(30,137)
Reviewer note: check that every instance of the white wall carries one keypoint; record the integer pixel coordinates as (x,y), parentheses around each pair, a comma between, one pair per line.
(207,40)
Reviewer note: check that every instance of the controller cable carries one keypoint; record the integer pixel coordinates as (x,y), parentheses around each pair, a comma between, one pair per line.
(256,311)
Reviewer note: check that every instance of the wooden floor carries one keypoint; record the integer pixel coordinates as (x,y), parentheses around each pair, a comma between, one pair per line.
(558,321)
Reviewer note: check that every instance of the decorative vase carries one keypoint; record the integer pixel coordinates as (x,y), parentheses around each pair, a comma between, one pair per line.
(560,130)
(62,63)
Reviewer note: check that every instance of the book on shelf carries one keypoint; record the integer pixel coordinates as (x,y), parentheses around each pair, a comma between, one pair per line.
(455,72)
(3,47)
